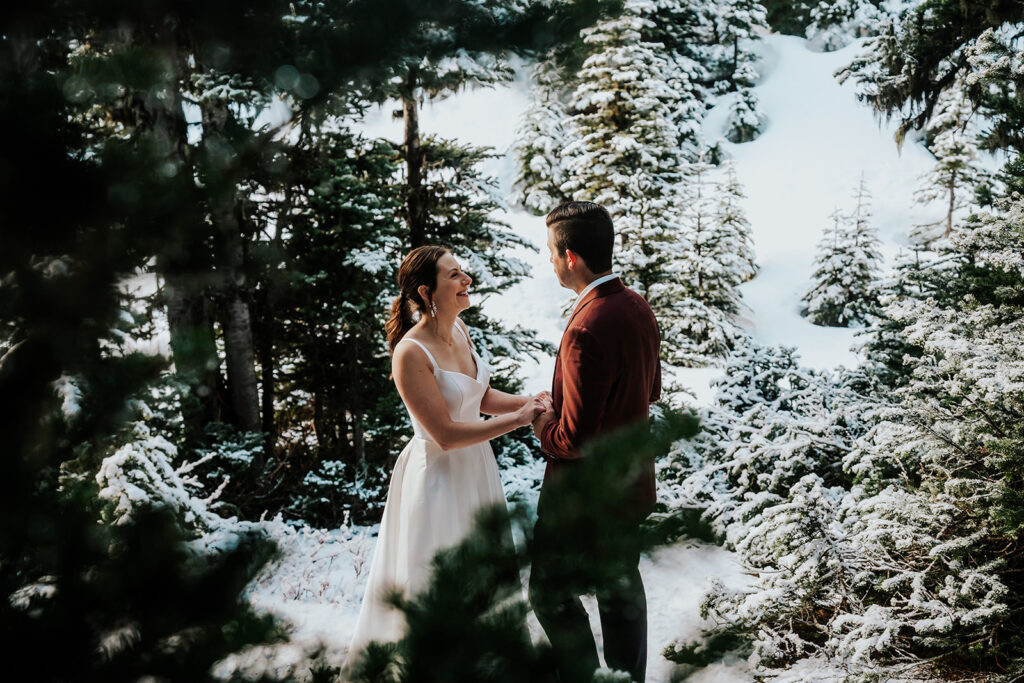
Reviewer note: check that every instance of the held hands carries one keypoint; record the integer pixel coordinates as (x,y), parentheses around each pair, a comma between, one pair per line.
(533,407)
(544,417)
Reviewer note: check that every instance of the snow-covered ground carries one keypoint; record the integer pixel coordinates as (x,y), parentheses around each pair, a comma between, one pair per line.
(818,142)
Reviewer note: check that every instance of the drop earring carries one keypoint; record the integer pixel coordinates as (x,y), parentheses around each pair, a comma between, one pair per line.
(433,309)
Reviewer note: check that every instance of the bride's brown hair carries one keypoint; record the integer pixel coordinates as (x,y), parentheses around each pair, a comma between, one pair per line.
(419,267)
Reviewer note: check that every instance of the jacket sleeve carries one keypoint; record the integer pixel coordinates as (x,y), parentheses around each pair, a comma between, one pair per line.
(587,378)
(656,388)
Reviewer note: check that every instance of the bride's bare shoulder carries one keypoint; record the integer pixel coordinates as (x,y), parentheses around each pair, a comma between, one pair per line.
(410,356)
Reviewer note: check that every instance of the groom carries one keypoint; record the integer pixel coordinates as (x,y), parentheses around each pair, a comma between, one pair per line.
(607,372)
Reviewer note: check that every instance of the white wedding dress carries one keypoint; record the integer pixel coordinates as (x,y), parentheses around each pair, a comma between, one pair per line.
(432,501)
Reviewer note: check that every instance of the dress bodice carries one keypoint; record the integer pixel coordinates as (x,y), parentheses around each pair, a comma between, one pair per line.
(462,394)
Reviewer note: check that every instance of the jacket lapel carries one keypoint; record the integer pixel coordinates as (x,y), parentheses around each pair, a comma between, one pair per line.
(603,289)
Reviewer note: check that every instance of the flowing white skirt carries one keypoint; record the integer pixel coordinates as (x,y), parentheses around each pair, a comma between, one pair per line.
(432,502)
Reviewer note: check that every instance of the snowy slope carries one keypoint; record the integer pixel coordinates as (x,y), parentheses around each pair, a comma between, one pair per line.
(817,143)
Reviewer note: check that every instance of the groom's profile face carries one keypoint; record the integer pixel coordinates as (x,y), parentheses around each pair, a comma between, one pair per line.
(558,261)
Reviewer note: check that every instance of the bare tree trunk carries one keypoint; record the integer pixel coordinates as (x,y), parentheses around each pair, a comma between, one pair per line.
(193,349)
(952,204)
(356,411)
(239,350)
(416,200)
(735,60)
(188,316)
(265,349)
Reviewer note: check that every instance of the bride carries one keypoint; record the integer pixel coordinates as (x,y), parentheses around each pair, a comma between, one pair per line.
(447,472)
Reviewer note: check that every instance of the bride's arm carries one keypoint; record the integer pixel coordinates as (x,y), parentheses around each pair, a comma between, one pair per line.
(497,402)
(417,385)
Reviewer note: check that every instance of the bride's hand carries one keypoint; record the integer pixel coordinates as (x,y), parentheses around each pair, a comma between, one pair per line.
(531,408)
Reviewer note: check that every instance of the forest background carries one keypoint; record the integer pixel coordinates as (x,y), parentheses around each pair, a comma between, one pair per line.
(213,154)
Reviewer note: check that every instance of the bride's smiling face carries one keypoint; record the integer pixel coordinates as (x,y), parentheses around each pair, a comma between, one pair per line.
(452,291)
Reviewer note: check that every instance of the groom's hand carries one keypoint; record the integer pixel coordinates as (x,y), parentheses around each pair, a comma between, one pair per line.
(542,420)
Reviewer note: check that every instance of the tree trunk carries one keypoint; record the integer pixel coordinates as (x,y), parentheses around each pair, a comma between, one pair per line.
(265,349)
(188,317)
(416,199)
(735,61)
(952,204)
(193,349)
(239,350)
(356,403)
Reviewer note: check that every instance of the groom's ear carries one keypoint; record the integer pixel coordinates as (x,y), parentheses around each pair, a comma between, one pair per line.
(571,258)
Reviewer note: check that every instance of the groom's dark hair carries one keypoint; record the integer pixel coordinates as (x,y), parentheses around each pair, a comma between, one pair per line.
(586,229)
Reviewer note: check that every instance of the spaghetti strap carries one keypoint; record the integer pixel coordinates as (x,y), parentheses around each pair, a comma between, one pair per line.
(459,328)
(429,356)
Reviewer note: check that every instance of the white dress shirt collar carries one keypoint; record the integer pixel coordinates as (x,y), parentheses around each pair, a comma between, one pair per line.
(596,283)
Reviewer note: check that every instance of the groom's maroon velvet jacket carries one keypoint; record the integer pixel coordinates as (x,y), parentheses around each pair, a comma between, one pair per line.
(607,373)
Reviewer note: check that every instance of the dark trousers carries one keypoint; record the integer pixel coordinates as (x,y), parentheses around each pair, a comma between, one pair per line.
(556,583)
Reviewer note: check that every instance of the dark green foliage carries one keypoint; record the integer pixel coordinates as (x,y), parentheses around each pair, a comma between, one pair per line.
(708,648)
(118,603)
(132,601)
(341,256)
(791,17)
(926,53)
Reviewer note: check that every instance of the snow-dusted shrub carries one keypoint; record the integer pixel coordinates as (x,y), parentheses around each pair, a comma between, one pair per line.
(805,570)
(766,473)
(943,534)
(745,123)
(837,23)
(224,457)
(334,489)
(139,474)
(910,554)
(845,281)
(773,423)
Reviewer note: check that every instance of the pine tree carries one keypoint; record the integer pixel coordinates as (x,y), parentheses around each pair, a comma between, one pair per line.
(736,23)
(340,251)
(844,289)
(621,124)
(625,153)
(682,29)
(735,248)
(954,141)
(918,275)
(447,201)
(710,258)
(539,142)
(744,123)
(835,24)
(954,429)
(462,209)
(420,78)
